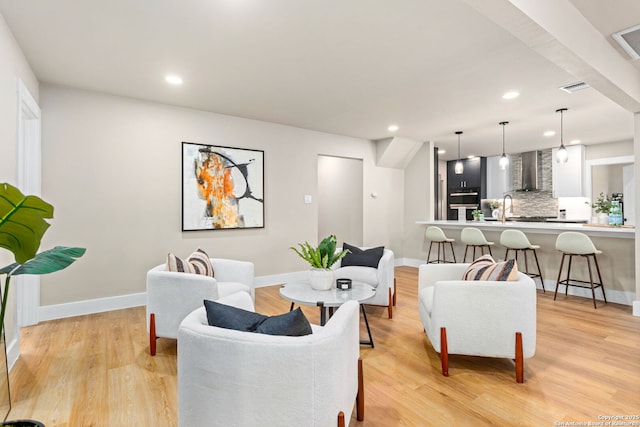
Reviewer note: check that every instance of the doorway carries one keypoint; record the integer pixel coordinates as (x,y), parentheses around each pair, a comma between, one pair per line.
(340,192)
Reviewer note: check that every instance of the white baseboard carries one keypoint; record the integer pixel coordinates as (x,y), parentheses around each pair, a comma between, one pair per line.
(277,279)
(13,352)
(80,308)
(409,262)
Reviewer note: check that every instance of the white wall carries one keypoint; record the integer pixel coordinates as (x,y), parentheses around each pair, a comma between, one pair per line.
(111,167)
(13,66)
(418,195)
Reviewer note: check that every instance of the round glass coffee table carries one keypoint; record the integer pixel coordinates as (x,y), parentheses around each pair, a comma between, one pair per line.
(301,293)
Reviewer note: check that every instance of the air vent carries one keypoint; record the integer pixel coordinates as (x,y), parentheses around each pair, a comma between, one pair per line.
(574,87)
(629,39)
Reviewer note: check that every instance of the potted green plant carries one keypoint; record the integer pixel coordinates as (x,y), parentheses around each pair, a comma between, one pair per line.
(22,225)
(477,213)
(321,258)
(602,207)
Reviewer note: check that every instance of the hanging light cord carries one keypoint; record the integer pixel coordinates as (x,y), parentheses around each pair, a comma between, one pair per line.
(561,110)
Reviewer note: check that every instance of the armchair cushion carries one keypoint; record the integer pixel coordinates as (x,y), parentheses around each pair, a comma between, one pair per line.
(197,263)
(362,257)
(293,323)
(485,268)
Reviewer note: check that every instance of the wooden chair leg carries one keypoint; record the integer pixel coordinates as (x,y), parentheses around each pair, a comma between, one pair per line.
(535,255)
(595,260)
(360,395)
(555,294)
(394,291)
(490,253)
(341,419)
(152,334)
(390,307)
(566,288)
(429,253)
(519,359)
(444,352)
(593,291)
(464,258)
(452,252)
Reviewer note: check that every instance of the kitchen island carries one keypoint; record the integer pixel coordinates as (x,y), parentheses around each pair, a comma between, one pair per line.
(617,261)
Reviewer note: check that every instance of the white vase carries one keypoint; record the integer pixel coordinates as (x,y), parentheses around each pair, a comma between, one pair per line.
(321,279)
(603,219)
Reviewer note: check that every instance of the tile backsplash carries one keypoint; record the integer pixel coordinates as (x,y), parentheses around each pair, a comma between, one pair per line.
(534,203)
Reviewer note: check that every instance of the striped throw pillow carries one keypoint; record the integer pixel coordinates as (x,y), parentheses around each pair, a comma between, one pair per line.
(197,263)
(485,268)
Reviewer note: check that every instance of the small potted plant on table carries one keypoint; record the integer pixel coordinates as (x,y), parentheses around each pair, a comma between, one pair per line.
(477,214)
(602,207)
(321,259)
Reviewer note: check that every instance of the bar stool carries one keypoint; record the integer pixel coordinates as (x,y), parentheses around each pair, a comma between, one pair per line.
(436,235)
(472,236)
(516,240)
(571,244)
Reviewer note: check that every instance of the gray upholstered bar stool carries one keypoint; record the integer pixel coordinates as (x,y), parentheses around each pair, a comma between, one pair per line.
(473,237)
(516,240)
(436,235)
(571,244)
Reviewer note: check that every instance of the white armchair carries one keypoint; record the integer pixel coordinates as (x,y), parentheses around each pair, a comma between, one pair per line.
(478,318)
(172,295)
(381,278)
(233,378)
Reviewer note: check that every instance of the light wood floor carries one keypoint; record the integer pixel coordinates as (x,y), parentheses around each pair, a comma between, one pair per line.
(96,370)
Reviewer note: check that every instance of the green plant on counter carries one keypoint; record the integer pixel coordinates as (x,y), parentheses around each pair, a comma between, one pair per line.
(476,213)
(602,204)
(324,256)
(22,225)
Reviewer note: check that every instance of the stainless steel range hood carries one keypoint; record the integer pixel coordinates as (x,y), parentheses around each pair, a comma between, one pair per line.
(531,171)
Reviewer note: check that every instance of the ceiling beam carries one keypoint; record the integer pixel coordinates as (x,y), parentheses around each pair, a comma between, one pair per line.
(559,32)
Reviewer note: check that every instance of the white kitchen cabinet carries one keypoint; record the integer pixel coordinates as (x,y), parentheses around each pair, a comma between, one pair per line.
(498,180)
(569,178)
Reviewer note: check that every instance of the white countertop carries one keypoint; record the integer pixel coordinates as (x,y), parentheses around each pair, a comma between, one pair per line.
(539,227)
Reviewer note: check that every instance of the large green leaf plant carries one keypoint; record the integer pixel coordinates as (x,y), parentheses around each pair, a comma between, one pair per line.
(324,256)
(22,225)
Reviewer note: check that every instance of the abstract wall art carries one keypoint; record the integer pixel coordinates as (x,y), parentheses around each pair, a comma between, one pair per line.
(222,187)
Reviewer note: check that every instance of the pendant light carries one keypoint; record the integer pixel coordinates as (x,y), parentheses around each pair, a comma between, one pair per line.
(504,160)
(459,168)
(561,156)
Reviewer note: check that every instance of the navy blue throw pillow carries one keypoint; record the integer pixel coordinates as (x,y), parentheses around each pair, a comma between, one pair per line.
(293,323)
(362,258)
(229,317)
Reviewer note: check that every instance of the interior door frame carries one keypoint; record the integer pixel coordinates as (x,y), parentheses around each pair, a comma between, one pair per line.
(29,179)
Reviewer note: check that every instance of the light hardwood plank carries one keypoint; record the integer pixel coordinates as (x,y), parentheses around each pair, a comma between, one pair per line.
(96,370)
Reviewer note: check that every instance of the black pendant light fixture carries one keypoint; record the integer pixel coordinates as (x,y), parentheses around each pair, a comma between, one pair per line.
(459,168)
(504,160)
(562,155)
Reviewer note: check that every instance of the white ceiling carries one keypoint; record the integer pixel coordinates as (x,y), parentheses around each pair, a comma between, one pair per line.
(348,67)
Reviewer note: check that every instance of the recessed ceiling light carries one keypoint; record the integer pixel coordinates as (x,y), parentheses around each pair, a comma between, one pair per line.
(441,151)
(574,141)
(549,133)
(173,79)
(511,95)
(393,128)
(470,156)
